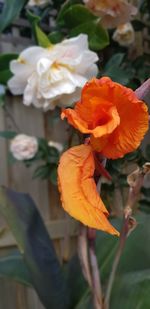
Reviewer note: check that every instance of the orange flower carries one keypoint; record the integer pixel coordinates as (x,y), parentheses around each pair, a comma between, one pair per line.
(79,195)
(113,116)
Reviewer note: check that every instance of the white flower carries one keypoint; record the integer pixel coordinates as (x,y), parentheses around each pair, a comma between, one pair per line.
(124,35)
(53,76)
(37,2)
(56,145)
(23,147)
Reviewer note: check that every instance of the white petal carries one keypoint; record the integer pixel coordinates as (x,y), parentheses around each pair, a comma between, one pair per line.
(43,65)
(32,54)
(16,85)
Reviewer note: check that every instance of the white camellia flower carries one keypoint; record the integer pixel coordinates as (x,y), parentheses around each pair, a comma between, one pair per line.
(37,2)
(124,35)
(55,75)
(23,147)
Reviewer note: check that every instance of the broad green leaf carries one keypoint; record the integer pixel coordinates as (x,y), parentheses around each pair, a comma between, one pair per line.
(64,7)
(13,267)
(116,72)
(11,10)
(6,74)
(132,275)
(55,37)
(42,171)
(76,15)
(132,290)
(36,247)
(53,176)
(8,134)
(97,36)
(116,60)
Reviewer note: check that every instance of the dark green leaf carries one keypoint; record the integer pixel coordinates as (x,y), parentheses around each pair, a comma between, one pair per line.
(76,15)
(42,171)
(132,290)
(117,73)
(36,247)
(13,267)
(97,35)
(133,272)
(11,10)
(8,134)
(53,176)
(116,60)
(32,18)
(65,6)
(55,37)
(133,155)
(4,67)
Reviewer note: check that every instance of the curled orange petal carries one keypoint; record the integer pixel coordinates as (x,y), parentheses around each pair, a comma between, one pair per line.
(113,116)
(78,190)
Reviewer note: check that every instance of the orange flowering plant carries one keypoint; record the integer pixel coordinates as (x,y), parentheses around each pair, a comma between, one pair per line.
(116,121)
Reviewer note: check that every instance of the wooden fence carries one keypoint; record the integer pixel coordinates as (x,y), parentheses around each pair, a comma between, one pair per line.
(62,229)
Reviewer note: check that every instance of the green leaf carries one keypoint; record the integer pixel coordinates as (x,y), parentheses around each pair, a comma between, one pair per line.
(53,176)
(65,6)
(41,37)
(4,67)
(42,172)
(13,267)
(97,36)
(79,19)
(11,10)
(8,134)
(36,247)
(132,290)
(115,60)
(55,37)
(76,15)
(133,272)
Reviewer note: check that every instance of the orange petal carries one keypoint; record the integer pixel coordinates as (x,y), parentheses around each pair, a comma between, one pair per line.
(133,124)
(78,190)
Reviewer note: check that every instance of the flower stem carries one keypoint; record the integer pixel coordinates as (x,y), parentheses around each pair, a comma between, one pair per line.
(96,283)
(135,181)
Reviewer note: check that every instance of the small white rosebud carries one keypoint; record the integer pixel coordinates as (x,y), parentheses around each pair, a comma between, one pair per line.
(56,145)
(23,147)
(124,35)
